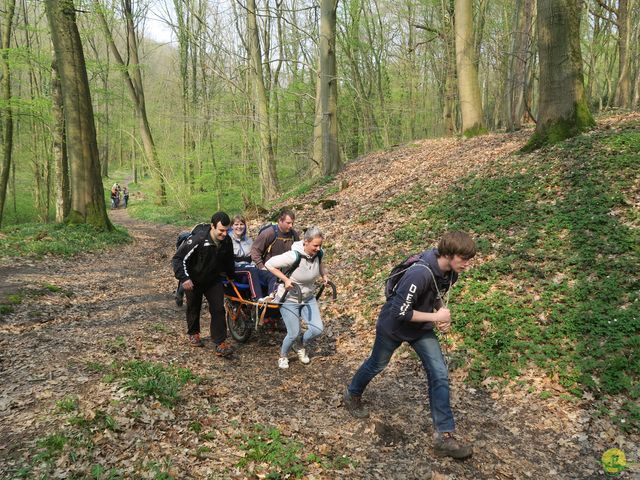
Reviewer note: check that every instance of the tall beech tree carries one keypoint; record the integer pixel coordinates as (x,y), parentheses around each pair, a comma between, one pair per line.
(268,175)
(563,110)
(87,194)
(328,88)
(466,63)
(132,74)
(6,113)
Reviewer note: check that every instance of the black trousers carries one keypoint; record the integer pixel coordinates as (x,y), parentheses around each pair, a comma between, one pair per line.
(214,294)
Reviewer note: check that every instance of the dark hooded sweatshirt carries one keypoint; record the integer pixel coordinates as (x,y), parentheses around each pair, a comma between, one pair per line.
(201,259)
(415,291)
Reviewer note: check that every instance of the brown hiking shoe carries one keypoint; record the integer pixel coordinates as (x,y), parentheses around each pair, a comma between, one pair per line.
(445,445)
(223,349)
(195,340)
(354,405)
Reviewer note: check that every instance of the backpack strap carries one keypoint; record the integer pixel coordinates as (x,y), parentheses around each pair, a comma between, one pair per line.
(297,261)
(275,238)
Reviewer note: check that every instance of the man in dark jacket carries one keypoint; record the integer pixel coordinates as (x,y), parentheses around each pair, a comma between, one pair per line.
(411,313)
(198,264)
(272,241)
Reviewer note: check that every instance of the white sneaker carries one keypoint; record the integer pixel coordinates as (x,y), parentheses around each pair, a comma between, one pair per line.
(283,362)
(266,299)
(302,355)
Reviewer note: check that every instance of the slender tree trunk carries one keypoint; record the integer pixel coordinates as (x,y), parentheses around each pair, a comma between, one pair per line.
(449,101)
(63,197)
(563,110)
(6,113)
(623,85)
(329,88)
(133,81)
(268,176)
(87,199)
(466,62)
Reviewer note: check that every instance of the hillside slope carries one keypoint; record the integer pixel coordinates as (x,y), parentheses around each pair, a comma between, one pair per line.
(100,382)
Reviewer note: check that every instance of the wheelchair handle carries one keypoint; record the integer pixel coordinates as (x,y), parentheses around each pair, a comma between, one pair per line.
(334,291)
(296,289)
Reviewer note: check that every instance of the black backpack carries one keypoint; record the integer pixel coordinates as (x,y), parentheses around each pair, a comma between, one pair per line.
(398,272)
(184,235)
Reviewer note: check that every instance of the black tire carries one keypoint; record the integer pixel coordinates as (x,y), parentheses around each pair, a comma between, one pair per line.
(238,320)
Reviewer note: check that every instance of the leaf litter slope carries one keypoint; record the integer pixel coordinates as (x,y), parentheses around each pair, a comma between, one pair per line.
(116,308)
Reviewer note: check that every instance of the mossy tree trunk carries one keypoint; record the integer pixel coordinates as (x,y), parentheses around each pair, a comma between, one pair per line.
(563,110)
(87,194)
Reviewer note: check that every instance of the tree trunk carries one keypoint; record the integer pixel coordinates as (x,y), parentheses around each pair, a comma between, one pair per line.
(466,62)
(563,110)
(6,113)
(87,194)
(623,85)
(133,81)
(63,198)
(449,94)
(268,176)
(329,88)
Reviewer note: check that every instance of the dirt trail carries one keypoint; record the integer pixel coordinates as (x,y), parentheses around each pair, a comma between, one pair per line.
(118,305)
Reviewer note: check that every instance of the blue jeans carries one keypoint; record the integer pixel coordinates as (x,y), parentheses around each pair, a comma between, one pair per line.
(291,313)
(428,349)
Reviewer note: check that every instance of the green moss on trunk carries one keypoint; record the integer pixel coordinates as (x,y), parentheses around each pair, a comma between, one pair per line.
(561,129)
(474,131)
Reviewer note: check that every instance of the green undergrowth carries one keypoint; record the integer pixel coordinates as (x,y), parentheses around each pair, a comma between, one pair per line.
(558,286)
(37,240)
(270,454)
(149,380)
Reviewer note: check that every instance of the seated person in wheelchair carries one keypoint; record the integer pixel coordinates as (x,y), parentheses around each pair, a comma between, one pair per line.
(246,271)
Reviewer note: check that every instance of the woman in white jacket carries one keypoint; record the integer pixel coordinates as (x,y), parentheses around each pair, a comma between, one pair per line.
(307,255)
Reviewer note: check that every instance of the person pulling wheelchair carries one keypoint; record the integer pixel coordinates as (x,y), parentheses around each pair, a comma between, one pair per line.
(302,266)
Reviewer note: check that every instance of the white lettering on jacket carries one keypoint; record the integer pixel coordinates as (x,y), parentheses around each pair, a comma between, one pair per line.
(407,301)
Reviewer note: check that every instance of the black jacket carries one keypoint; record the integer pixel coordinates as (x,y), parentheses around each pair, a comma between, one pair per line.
(415,291)
(199,259)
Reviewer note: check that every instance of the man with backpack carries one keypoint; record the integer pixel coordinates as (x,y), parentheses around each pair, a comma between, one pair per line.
(198,264)
(273,240)
(416,306)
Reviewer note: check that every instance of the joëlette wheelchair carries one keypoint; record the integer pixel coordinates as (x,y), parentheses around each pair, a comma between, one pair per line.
(245,316)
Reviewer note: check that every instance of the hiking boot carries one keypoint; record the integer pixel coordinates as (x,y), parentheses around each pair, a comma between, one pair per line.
(195,340)
(445,445)
(353,404)
(302,356)
(283,363)
(224,349)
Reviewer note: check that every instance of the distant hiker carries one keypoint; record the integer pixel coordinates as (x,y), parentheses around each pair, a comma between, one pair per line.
(303,266)
(273,240)
(114,196)
(125,195)
(411,314)
(246,271)
(198,264)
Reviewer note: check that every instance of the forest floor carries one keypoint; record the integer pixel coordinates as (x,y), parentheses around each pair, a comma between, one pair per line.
(66,410)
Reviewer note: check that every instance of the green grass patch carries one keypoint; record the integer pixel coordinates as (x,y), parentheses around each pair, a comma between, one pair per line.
(67,405)
(560,286)
(273,455)
(154,380)
(36,239)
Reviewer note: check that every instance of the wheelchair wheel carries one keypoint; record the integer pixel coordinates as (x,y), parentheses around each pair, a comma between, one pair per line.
(238,320)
